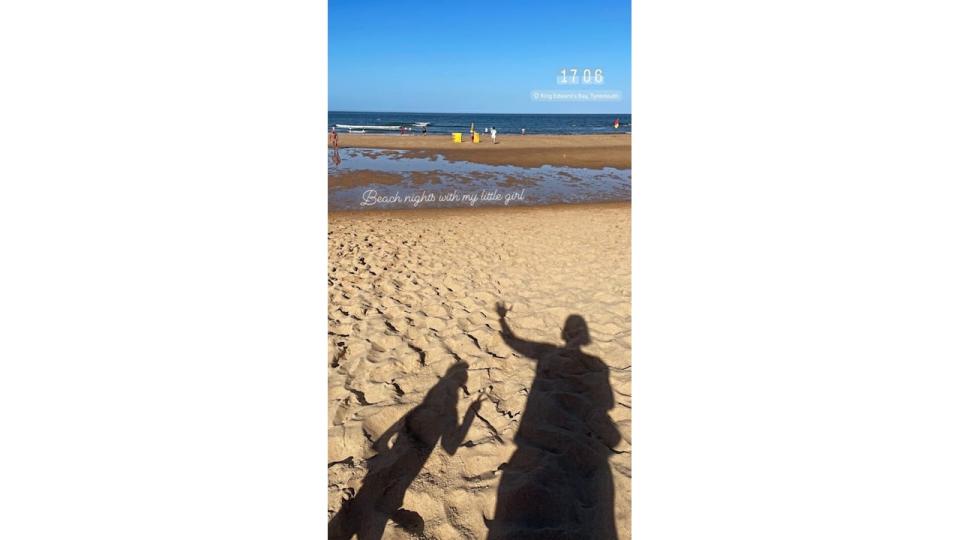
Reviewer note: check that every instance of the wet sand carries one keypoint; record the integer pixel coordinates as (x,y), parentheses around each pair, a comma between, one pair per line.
(452,418)
(363,172)
(589,151)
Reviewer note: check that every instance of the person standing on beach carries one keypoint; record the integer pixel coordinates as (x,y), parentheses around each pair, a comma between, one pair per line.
(523,131)
(493,134)
(335,145)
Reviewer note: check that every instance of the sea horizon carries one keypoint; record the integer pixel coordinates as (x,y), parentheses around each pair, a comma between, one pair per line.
(505,123)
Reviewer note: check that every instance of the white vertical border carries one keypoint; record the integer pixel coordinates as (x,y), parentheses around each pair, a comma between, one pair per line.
(324,257)
(162,244)
(796,268)
(325,360)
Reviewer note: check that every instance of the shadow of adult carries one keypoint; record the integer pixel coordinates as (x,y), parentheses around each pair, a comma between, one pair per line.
(394,468)
(558,484)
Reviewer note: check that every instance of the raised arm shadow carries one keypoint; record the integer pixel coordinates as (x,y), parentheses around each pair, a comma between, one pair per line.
(531,349)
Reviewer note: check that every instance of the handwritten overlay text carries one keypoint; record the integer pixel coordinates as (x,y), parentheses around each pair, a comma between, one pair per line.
(372,197)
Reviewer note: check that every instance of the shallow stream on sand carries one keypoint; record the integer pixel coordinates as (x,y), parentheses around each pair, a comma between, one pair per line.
(373,179)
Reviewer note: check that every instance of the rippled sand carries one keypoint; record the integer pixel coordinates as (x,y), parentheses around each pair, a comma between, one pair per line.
(448,421)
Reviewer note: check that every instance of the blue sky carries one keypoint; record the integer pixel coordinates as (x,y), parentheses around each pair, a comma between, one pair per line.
(473,56)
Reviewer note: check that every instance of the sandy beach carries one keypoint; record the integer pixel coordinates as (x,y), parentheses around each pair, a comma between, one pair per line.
(479,371)
(588,151)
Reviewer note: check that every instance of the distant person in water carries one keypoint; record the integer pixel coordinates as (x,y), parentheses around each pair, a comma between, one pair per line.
(493,134)
(523,131)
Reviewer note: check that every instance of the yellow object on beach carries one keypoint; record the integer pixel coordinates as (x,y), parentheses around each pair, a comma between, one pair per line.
(476,136)
(457,137)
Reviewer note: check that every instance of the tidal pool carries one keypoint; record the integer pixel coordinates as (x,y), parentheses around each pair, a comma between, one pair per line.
(373,179)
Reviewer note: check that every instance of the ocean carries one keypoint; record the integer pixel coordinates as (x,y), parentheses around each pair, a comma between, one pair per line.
(443,123)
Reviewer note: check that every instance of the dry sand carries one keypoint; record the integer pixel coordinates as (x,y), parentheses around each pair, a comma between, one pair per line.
(590,151)
(455,423)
